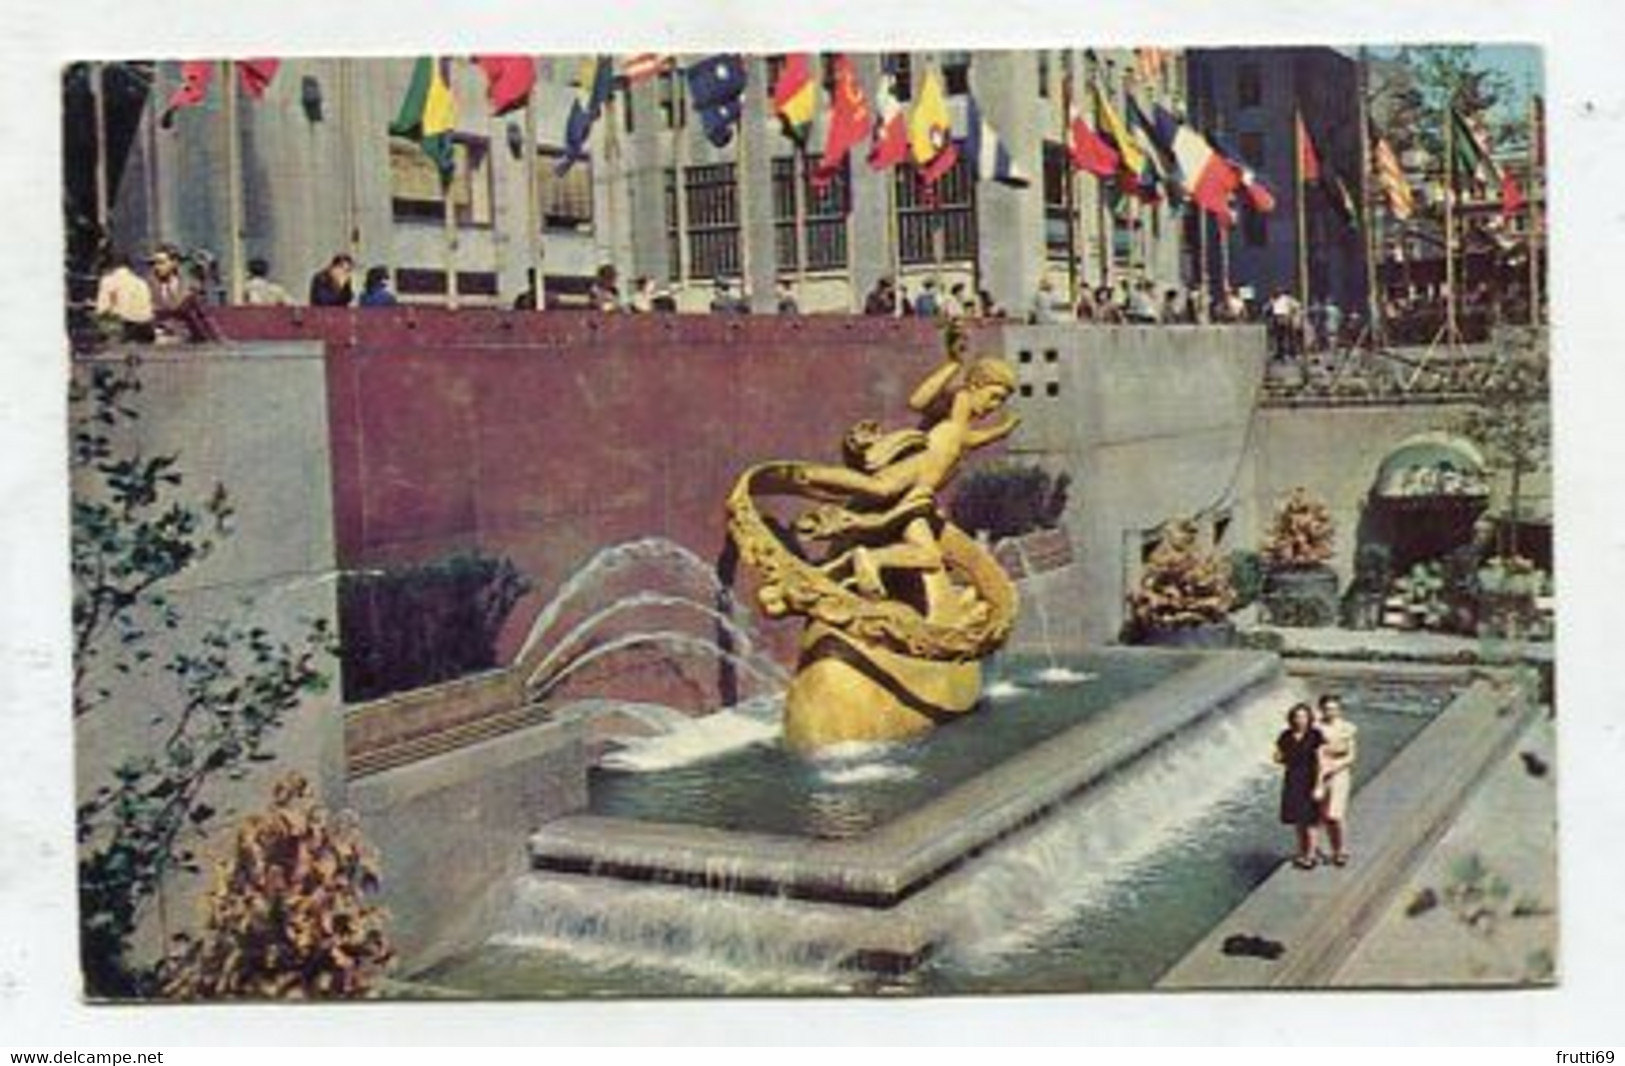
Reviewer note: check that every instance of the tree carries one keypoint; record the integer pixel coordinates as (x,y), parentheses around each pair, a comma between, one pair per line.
(134,530)
(1511,422)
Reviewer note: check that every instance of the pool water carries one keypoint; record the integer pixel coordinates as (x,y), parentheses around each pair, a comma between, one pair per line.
(762,787)
(1107,896)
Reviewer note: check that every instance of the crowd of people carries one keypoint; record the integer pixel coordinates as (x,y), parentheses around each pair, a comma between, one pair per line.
(1316,752)
(169,300)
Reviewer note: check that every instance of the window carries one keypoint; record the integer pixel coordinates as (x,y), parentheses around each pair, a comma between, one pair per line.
(1058,213)
(712,199)
(671,104)
(412,282)
(824,212)
(564,201)
(956,72)
(415,189)
(944,214)
(902,69)
(1249,85)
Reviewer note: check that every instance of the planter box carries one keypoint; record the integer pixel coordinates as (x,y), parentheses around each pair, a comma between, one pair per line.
(1211,635)
(1304,596)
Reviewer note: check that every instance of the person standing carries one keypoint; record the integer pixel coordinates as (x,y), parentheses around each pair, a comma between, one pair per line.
(785,295)
(330,286)
(1297,751)
(1336,774)
(375,292)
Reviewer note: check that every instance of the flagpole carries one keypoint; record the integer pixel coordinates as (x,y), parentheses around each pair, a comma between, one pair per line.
(1298,134)
(1531,224)
(1074,202)
(352,197)
(798,177)
(533,210)
(234,182)
(742,206)
(1103,232)
(1373,301)
(894,241)
(679,121)
(155,221)
(1450,222)
(612,183)
(98,75)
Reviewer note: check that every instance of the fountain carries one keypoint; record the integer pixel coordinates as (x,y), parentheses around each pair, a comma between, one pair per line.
(851,837)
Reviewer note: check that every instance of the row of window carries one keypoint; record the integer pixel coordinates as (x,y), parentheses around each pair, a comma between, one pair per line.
(563,201)
(937,226)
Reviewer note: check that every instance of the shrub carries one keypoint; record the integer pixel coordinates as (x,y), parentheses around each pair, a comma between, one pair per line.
(288,916)
(411,626)
(1184,584)
(1009,500)
(1246,576)
(1302,533)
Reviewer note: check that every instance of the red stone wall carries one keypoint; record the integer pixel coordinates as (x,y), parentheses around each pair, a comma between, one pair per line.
(546,437)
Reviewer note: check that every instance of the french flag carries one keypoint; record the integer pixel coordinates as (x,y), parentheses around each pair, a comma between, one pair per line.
(984,148)
(1207,176)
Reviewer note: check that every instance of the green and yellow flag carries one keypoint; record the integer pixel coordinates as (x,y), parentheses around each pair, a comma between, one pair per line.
(429,114)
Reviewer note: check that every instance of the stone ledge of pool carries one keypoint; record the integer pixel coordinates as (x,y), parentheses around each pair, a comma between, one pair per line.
(1319,917)
(887,865)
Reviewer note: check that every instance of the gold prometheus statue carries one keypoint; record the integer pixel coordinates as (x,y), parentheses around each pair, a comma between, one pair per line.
(900,605)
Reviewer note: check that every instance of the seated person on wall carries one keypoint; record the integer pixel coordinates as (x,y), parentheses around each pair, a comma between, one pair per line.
(177,303)
(887,492)
(260,290)
(330,287)
(124,302)
(376,291)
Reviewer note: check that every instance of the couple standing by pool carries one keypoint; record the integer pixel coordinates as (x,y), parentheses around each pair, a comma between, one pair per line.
(1317,752)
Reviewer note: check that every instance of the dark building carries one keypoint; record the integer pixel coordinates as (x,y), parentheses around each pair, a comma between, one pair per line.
(1249,97)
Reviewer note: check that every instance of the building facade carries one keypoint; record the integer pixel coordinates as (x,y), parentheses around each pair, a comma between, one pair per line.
(1250,99)
(320,174)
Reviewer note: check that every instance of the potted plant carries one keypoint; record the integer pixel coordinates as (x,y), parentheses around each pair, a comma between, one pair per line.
(1373,573)
(1509,590)
(1422,593)
(1300,589)
(1185,596)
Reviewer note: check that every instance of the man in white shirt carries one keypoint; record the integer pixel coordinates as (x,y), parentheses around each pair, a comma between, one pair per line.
(260,290)
(124,299)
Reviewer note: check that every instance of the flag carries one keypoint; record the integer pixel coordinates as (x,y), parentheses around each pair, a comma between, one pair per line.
(1088,149)
(1512,197)
(849,120)
(1149,62)
(1341,198)
(795,97)
(1308,158)
(639,68)
(1208,178)
(929,130)
(1254,187)
(1131,160)
(1396,187)
(1156,172)
(889,146)
(594,87)
(1472,157)
(508,81)
(716,87)
(428,114)
(197,79)
(988,153)
(256,75)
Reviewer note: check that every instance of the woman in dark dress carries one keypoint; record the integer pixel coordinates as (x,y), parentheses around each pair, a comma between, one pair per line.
(1297,750)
